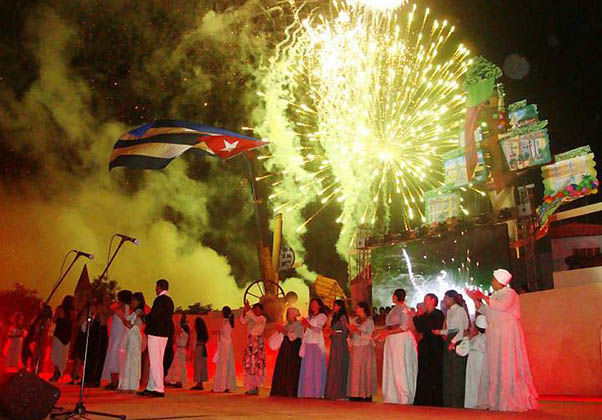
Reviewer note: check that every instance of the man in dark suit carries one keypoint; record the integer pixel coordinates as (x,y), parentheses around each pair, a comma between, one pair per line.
(158,323)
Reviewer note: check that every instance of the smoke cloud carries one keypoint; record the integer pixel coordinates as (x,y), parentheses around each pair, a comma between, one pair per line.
(82,73)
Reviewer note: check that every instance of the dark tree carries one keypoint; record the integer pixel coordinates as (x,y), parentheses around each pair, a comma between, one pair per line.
(19,299)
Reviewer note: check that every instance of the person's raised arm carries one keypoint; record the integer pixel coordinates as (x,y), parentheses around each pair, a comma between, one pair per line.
(477,297)
(503,301)
(257,319)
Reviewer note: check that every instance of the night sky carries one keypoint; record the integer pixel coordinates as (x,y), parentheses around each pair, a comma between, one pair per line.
(117,67)
(561,41)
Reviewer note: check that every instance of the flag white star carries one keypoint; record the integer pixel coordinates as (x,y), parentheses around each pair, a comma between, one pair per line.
(229,147)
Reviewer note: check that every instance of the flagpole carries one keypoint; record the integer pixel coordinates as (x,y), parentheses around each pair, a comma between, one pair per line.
(260,243)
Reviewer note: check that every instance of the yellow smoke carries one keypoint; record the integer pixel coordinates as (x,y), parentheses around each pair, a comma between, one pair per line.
(65,130)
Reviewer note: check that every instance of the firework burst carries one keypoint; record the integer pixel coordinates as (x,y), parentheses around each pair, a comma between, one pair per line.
(361,102)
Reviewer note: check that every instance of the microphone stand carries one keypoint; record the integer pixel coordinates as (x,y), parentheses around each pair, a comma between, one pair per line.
(121,242)
(80,410)
(44,314)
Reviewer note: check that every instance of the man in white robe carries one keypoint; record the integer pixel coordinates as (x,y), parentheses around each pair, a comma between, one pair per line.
(510,384)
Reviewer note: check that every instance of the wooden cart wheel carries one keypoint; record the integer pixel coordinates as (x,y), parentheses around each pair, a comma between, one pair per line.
(256,290)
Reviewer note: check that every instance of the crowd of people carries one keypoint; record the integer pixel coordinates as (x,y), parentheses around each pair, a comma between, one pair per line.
(125,343)
(430,356)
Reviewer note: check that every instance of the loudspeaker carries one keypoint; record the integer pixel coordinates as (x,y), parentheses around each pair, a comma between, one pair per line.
(24,396)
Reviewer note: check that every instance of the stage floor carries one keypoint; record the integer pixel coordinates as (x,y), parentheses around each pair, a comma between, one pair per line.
(184,404)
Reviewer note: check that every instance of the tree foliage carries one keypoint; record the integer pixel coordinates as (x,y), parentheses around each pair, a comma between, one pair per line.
(199,309)
(105,286)
(19,299)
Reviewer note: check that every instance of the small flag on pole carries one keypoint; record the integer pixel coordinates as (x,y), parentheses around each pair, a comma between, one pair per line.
(286,260)
(83,284)
(155,145)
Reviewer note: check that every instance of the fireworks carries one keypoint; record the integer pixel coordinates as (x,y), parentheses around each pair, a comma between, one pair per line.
(378,4)
(361,102)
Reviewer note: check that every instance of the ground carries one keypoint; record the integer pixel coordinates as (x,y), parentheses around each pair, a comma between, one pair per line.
(185,404)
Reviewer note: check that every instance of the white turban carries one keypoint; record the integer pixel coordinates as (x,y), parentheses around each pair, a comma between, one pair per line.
(481,322)
(502,276)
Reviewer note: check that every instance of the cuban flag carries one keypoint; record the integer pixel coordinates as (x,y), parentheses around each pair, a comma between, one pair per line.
(155,145)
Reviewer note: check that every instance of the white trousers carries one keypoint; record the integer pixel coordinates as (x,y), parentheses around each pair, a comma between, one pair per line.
(156,350)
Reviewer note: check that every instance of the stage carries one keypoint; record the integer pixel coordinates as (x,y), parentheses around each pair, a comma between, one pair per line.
(184,404)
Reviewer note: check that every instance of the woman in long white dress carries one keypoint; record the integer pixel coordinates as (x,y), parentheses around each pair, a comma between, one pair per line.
(400,357)
(509,382)
(115,357)
(129,376)
(177,375)
(225,374)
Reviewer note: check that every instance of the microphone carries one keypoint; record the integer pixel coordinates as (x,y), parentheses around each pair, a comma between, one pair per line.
(128,238)
(85,254)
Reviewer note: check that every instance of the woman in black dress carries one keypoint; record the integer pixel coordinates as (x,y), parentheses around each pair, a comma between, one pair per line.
(94,357)
(430,353)
(63,319)
(288,363)
(98,341)
(200,354)
(79,347)
(457,324)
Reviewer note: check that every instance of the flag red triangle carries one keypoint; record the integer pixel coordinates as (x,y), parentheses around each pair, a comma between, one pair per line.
(227,147)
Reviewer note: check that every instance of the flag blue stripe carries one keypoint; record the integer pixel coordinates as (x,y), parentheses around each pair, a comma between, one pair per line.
(139,162)
(187,139)
(140,130)
(197,127)
(148,162)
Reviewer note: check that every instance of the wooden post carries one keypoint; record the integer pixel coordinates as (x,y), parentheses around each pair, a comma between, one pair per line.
(276,248)
(263,268)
